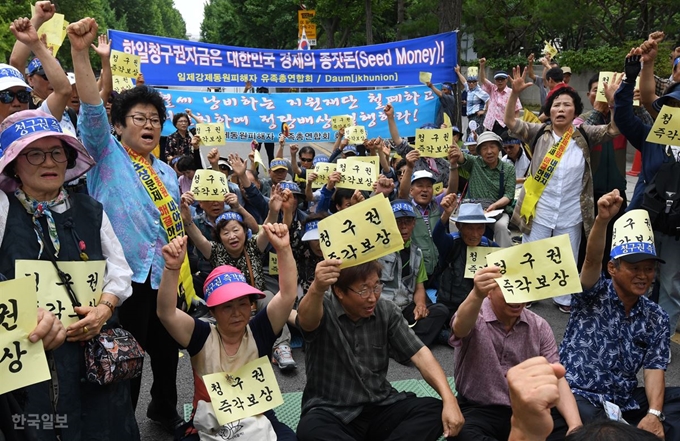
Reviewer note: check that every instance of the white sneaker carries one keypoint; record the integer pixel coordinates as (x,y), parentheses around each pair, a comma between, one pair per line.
(283,357)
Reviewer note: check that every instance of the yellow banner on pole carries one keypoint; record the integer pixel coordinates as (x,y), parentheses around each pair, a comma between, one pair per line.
(304,22)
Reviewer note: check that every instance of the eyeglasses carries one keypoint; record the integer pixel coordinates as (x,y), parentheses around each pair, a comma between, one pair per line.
(7,96)
(364,293)
(406,221)
(38,157)
(141,120)
(306,159)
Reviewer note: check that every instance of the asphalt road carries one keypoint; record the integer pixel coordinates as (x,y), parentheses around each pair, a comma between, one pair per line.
(295,381)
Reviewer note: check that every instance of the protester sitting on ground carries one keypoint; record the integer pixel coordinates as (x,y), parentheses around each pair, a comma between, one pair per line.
(550,204)
(313,196)
(278,172)
(235,339)
(186,165)
(518,157)
(137,115)
(350,333)
(477,100)
(491,182)
(246,189)
(452,286)
(403,277)
(50,86)
(231,244)
(499,96)
(491,336)
(655,157)
(447,103)
(308,253)
(335,199)
(632,331)
(534,391)
(439,167)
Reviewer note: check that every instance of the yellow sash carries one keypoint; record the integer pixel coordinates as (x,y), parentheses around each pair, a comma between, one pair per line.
(171,219)
(534,186)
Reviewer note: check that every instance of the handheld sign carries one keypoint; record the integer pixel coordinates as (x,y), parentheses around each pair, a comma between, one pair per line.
(124,65)
(425,77)
(666,128)
(251,390)
(433,143)
(608,77)
(86,280)
(356,175)
(22,363)
(257,159)
(438,188)
(360,233)
(447,120)
(341,121)
(121,84)
(209,185)
(476,259)
(537,270)
(211,134)
(472,71)
(323,170)
(375,160)
(355,134)
(549,49)
(53,30)
(273,264)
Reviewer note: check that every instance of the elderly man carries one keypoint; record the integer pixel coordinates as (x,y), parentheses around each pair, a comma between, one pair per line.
(278,172)
(614,331)
(452,285)
(404,276)
(492,336)
(476,101)
(492,181)
(350,333)
(499,93)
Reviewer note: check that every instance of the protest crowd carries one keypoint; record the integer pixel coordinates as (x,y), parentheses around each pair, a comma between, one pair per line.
(377,251)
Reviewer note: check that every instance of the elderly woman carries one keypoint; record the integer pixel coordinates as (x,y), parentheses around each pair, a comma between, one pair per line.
(179,143)
(552,202)
(141,196)
(43,221)
(235,339)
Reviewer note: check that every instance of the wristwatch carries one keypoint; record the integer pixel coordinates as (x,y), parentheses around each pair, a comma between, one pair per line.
(657,413)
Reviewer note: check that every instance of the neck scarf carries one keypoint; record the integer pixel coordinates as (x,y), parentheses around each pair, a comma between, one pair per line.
(38,209)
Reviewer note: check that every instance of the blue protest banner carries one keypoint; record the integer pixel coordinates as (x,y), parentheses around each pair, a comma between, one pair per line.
(259,116)
(172,62)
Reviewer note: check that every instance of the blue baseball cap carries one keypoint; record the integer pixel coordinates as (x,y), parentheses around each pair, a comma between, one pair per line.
(319,159)
(34,67)
(402,208)
(290,185)
(278,164)
(311,231)
(350,149)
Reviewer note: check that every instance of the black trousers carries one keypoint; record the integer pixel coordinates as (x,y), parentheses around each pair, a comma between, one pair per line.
(492,423)
(138,315)
(428,328)
(409,419)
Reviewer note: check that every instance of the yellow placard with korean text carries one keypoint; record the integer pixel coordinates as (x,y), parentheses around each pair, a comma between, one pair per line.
(607,77)
(209,185)
(249,391)
(87,280)
(425,77)
(472,71)
(356,175)
(438,188)
(549,49)
(476,259)
(363,232)
(433,143)
(273,264)
(537,270)
(305,17)
(341,121)
(124,64)
(375,160)
(355,134)
(53,30)
(323,170)
(447,120)
(632,233)
(121,84)
(211,134)
(666,128)
(22,363)
(257,159)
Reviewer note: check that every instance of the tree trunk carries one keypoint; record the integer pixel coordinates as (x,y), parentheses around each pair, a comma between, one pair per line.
(369,22)
(401,14)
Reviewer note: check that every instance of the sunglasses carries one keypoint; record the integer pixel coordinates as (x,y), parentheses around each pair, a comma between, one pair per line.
(306,159)
(7,96)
